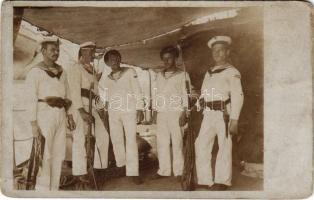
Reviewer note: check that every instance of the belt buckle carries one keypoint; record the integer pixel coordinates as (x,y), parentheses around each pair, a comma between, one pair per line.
(212,106)
(223,106)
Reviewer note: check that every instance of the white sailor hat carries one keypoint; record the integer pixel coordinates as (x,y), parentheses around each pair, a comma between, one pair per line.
(87,44)
(216,39)
(49,39)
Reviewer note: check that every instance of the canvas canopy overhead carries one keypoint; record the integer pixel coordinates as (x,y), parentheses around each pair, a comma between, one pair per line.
(139,33)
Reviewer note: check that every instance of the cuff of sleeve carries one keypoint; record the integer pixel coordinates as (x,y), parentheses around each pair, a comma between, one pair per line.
(141,107)
(234,116)
(70,110)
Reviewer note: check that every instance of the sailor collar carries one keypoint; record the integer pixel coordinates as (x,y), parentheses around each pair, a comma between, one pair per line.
(218,69)
(120,73)
(83,66)
(50,73)
(173,73)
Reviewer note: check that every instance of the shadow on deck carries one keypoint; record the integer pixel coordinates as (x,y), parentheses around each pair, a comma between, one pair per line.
(122,183)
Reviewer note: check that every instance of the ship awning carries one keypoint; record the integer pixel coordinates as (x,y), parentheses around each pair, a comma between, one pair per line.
(138,32)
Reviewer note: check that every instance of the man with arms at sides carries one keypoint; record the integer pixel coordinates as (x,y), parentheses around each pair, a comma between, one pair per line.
(124,102)
(49,109)
(81,76)
(222,100)
(170,101)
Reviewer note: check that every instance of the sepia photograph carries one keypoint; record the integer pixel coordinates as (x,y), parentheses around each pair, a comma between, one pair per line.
(138,98)
(145,94)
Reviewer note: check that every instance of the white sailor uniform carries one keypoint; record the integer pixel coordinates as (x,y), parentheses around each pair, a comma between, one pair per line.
(122,93)
(220,84)
(79,79)
(41,83)
(169,100)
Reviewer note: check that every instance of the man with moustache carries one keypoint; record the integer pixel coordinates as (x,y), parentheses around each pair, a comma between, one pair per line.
(222,100)
(80,77)
(124,102)
(170,104)
(49,104)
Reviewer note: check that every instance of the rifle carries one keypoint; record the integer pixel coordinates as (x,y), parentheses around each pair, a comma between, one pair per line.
(29,179)
(90,143)
(105,119)
(187,181)
(35,161)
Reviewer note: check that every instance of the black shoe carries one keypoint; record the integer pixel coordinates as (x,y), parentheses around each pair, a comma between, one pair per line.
(82,182)
(66,181)
(156,176)
(219,187)
(83,178)
(120,171)
(137,180)
(203,186)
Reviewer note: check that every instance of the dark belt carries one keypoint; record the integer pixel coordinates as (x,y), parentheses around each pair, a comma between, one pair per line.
(57,102)
(217,105)
(221,106)
(86,93)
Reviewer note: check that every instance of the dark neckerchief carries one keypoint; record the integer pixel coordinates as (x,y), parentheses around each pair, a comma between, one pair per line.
(216,71)
(121,72)
(43,67)
(87,70)
(176,71)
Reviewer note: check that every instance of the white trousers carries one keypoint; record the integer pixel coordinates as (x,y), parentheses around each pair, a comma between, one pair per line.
(169,131)
(52,122)
(213,124)
(123,137)
(79,162)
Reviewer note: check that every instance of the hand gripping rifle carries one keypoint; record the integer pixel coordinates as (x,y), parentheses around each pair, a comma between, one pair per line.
(187,181)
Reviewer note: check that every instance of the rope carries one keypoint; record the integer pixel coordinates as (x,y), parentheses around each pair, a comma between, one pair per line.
(187,182)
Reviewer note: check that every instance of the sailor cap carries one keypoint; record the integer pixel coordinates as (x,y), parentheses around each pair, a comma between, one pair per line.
(49,39)
(225,39)
(87,44)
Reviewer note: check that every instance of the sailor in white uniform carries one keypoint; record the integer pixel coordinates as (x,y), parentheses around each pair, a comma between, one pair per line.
(222,100)
(80,77)
(170,103)
(124,101)
(47,89)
